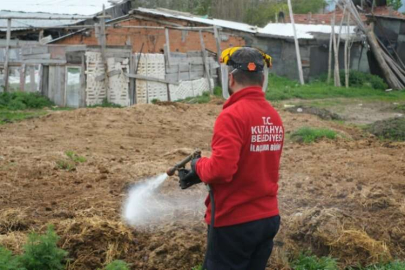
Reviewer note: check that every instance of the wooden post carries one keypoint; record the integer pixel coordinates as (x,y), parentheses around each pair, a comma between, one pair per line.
(219,51)
(330,50)
(32,79)
(103,41)
(336,50)
(297,46)
(83,94)
(103,36)
(341,25)
(6,71)
(206,64)
(22,77)
(347,55)
(169,59)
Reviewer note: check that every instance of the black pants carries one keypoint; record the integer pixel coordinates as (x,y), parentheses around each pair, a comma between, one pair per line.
(246,246)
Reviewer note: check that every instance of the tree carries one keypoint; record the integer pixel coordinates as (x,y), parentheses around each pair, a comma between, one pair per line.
(204,7)
(304,7)
(262,14)
(395,4)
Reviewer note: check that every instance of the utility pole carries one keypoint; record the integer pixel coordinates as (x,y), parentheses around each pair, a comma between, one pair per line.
(297,45)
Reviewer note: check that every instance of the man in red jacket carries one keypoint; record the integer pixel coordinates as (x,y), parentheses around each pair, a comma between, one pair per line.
(243,169)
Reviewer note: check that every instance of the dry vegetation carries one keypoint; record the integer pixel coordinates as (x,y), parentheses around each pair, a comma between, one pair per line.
(342,198)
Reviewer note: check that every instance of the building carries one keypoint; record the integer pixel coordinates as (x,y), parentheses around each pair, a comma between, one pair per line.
(160,54)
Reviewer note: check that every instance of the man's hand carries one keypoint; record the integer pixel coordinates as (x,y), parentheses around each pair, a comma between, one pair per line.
(189,178)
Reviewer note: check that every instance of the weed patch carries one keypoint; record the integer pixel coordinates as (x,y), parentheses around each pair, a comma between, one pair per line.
(65,165)
(75,157)
(310,135)
(70,164)
(391,129)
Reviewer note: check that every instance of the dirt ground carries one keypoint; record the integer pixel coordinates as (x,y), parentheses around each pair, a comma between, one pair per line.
(354,111)
(344,198)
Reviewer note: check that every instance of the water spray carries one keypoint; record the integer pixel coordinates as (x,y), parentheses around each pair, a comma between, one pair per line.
(144,204)
(138,206)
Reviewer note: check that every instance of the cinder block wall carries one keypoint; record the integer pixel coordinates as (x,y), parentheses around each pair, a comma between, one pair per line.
(154,40)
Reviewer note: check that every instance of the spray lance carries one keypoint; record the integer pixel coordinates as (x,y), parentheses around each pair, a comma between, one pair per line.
(182,165)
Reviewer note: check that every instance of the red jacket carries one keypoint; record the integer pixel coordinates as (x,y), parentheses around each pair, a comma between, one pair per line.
(244,165)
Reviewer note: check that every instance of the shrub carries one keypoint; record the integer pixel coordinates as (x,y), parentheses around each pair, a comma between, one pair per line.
(309,135)
(42,253)
(360,79)
(117,265)
(306,262)
(218,91)
(8,262)
(23,100)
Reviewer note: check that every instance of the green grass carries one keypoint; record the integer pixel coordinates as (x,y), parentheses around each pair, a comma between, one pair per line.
(7,116)
(198,267)
(117,265)
(310,135)
(281,88)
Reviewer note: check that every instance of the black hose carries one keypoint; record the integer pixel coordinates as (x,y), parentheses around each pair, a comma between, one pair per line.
(211,229)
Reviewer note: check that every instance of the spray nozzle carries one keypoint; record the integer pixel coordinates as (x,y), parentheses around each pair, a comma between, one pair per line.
(182,164)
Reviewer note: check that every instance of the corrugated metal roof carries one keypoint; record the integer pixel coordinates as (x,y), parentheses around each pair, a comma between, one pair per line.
(304,31)
(76,7)
(221,23)
(26,24)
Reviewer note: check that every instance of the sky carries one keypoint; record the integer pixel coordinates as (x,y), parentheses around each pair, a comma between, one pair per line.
(402,9)
(81,7)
